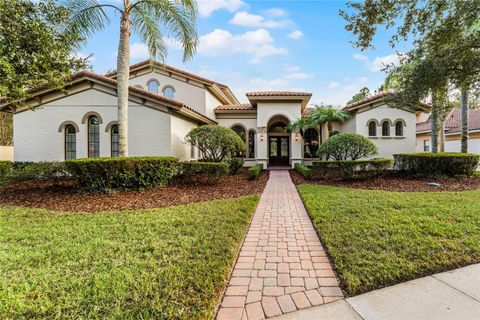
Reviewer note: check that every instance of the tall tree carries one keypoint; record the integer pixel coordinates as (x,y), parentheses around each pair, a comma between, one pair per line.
(362,94)
(152,21)
(36,48)
(328,114)
(446,40)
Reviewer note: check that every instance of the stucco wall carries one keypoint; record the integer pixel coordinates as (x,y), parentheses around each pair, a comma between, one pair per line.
(210,104)
(36,135)
(388,146)
(180,128)
(452,142)
(189,94)
(6,153)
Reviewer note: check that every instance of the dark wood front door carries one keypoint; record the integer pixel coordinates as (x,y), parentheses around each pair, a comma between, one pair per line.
(278,150)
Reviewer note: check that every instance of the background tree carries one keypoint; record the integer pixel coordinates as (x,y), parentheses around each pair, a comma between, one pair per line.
(362,94)
(151,20)
(36,50)
(446,41)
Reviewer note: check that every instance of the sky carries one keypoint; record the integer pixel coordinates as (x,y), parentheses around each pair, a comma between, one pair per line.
(267,45)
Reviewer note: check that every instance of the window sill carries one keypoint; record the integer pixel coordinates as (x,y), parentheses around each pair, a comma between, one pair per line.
(399,137)
(372,137)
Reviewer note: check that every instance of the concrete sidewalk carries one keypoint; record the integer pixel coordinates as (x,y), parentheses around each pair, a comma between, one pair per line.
(448,295)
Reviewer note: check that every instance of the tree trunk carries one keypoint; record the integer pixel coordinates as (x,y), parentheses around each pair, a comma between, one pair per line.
(464,108)
(441,136)
(123,75)
(435,122)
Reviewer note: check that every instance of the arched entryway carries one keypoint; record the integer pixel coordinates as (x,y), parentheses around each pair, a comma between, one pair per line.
(278,141)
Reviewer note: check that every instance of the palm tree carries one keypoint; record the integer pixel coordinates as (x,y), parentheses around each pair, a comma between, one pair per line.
(145,18)
(328,114)
(301,125)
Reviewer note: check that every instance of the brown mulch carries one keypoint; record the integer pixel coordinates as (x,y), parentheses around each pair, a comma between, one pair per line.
(67,198)
(397,182)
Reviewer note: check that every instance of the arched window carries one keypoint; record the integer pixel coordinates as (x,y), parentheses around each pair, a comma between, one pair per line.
(153,86)
(399,128)
(372,129)
(114,141)
(385,129)
(93,137)
(251,144)
(278,127)
(70,142)
(241,132)
(311,143)
(168,92)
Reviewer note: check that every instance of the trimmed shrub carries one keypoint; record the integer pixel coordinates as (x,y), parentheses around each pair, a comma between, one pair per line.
(215,142)
(201,171)
(26,171)
(235,164)
(350,169)
(303,170)
(103,174)
(5,168)
(425,164)
(347,146)
(255,171)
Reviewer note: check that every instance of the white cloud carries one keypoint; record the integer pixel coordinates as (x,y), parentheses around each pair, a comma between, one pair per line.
(276,12)
(297,34)
(139,51)
(207,7)
(363,79)
(246,19)
(258,44)
(379,63)
(172,43)
(333,85)
(298,75)
(359,56)
(270,84)
(293,68)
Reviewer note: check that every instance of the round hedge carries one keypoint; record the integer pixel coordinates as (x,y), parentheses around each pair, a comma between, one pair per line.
(347,146)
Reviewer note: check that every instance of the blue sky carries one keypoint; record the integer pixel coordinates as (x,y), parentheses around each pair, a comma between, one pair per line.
(268,45)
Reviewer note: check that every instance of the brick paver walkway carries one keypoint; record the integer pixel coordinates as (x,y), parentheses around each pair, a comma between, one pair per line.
(282,266)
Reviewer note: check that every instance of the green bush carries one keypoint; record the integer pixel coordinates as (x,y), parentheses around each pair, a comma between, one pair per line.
(303,170)
(350,169)
(255,171)
(27,171)
(215,142)
(201,171)
(103,174)
(347,146)
(5,168)
(235,164)
(437,164)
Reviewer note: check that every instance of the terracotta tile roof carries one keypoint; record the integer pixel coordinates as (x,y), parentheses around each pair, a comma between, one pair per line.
(234,107)
(452,124)
(160,98)
(277,93)
(374,97)
(173,69)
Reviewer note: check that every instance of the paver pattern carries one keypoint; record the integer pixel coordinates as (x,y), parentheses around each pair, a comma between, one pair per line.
(282,266)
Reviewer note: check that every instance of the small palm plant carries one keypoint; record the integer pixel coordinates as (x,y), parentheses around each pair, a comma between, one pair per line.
(300,126)
(151,20)
(328,114)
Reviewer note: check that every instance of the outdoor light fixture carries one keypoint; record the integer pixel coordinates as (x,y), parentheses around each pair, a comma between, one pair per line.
(262,132)
(297,136)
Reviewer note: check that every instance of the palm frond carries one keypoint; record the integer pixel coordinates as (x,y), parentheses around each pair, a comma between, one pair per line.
(148,30)
(88,16)
(178,19)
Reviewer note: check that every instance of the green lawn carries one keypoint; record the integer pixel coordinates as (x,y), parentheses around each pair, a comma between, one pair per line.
(379,238)
(167,263)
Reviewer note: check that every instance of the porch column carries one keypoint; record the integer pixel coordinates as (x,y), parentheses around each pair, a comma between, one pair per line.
(262,146)
(296,152)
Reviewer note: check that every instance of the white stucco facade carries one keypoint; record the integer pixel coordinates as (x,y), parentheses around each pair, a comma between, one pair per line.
(157,125)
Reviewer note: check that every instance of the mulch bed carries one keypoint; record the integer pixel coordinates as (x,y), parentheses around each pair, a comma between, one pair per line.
(68,198)
(397,182)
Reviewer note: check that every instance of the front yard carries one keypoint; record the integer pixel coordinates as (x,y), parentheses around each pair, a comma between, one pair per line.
(170,263)
(378,238)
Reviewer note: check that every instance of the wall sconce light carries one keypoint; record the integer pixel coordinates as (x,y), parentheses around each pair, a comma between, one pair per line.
(297,136)
(262,133)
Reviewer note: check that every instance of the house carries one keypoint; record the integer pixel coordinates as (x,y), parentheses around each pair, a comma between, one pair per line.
(166,103)
(452,132)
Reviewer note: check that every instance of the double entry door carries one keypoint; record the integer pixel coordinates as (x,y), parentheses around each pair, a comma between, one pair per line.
(278,150)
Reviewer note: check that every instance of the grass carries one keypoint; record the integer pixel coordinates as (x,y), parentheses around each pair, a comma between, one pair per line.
(170,263)
(378,238)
